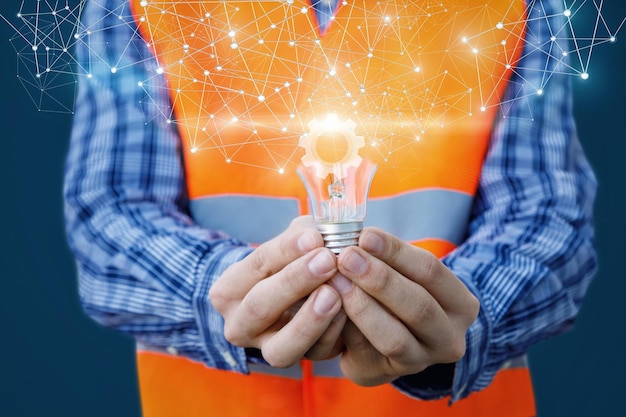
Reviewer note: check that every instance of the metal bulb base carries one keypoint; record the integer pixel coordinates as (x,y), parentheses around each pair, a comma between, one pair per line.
(339,235)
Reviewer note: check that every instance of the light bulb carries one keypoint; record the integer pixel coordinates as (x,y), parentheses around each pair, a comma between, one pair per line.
(337,180)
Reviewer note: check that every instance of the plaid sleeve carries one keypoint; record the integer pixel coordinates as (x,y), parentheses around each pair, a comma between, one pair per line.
(529,255)
(144,266)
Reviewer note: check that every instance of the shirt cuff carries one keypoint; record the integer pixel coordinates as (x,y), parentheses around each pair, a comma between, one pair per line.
(472,373)
(219,353)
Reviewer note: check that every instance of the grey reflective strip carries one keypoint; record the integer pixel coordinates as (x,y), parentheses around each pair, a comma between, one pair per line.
(254,219)
(329,367)
(440,214)
(412,216)
(294,372)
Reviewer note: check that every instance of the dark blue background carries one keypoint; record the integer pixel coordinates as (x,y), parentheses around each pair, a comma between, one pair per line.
(56,362)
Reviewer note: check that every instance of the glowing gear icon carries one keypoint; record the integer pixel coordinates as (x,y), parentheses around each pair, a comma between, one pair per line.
(331,146)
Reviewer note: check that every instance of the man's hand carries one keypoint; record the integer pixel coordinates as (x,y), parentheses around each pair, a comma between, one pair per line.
(406,309)
(276,298)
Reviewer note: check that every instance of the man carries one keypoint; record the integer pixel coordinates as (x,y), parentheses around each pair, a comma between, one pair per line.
(391,314)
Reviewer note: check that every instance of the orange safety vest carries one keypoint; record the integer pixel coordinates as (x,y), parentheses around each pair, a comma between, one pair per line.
(242,73)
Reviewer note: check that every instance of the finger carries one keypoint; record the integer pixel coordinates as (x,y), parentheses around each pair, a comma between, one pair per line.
(420,266)
(380,324)
(361,362)
(408,306)
(289,344)
(266,302)
(300,238)
(330,343)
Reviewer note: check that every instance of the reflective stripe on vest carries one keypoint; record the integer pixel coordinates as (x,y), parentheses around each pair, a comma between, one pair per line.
(422,190)
(442,214)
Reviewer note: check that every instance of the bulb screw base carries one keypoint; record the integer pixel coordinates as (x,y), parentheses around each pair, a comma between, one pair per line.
(339,235)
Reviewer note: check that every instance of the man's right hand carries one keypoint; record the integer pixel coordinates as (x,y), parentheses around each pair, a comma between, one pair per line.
(277,299)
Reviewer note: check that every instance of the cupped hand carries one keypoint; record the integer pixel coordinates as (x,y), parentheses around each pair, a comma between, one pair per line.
(277,299)
(406,309)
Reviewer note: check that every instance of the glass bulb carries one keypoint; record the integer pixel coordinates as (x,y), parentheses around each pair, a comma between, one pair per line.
(337,180)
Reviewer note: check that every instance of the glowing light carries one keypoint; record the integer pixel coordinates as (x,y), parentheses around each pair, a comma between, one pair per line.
(369,89)
(337,179)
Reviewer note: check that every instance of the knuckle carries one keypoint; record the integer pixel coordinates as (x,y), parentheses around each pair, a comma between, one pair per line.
(275,359)
(380,279)
(431,267)
(426,312)
(395,249)
(395,349)
(233,335)
(256,310)
(455,351)
(260,262)
(473,308)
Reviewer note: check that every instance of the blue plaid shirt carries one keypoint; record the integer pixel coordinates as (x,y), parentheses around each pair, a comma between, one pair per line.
(145,267)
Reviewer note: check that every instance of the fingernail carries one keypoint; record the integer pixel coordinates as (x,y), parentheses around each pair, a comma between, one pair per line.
(341,283)
(322,263)
(325,300)
(307,242)
(372,242)
(354,263)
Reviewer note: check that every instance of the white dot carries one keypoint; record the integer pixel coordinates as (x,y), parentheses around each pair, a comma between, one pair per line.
(281,171)
(540,92)
(584,76)
(159,70)
(261,97)
(499,25)
(567,13)
(113,70)
(194,150)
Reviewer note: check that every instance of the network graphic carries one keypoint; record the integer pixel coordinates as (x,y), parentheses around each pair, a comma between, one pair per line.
(252,75)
